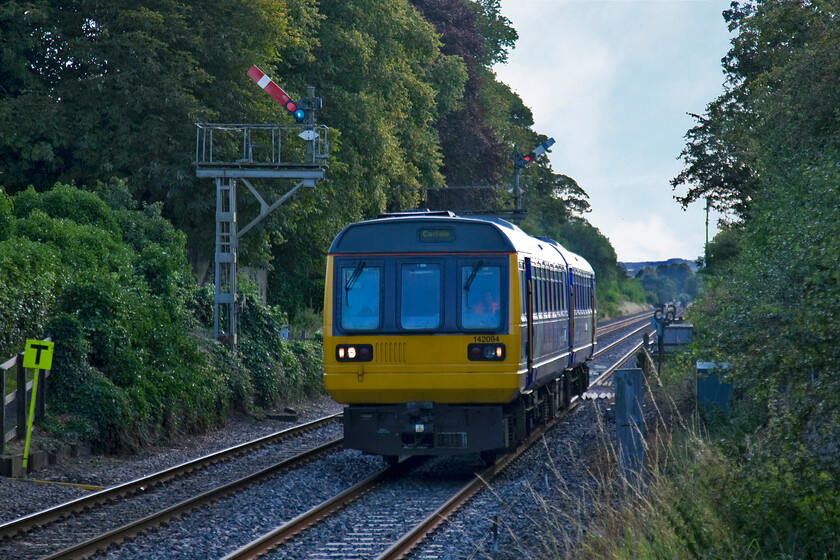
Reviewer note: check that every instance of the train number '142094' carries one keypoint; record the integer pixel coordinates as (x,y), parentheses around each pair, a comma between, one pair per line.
(486,338)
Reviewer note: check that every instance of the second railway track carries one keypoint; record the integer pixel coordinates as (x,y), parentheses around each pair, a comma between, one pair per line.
(80,527)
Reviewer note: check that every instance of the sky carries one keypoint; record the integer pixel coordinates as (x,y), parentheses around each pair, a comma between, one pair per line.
(612,82)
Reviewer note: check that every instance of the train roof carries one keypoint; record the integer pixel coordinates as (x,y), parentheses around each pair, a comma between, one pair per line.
(444,232)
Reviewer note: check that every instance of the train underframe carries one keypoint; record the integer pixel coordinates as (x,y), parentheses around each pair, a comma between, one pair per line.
(428,428)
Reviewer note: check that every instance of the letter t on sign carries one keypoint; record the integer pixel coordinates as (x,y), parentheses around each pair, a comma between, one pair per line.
(38,354)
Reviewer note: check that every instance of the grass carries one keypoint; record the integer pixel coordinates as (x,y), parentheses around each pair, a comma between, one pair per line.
(700,499)
(678,513)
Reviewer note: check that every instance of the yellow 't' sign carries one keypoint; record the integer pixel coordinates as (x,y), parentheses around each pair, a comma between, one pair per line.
(38,354)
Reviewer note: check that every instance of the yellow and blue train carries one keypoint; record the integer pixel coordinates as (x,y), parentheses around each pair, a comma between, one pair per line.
(448,335)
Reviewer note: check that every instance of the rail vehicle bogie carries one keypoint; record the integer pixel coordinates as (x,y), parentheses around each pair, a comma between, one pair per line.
(446,335)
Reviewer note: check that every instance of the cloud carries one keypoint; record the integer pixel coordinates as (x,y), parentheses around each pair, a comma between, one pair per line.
(648,239)
(612,83)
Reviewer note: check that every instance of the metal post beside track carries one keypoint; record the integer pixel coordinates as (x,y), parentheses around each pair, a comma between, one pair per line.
(630,426)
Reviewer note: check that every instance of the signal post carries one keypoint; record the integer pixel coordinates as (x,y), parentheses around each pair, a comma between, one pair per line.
(238,152)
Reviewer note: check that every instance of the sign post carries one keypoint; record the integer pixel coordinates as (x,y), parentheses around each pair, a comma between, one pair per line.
(38,356)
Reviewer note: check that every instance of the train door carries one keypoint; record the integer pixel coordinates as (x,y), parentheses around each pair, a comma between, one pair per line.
(572,310)
(529,312)
(593,313)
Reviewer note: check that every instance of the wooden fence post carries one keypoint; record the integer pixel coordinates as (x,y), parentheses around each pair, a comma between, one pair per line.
(2,411)
(20,400)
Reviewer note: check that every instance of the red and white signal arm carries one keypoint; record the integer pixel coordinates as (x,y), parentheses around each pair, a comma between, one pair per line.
(272,89)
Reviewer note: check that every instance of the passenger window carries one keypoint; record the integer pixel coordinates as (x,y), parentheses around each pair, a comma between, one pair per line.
(561,288)
(360,287)
(541,289)
(547,289)
(420,293)
(481,289)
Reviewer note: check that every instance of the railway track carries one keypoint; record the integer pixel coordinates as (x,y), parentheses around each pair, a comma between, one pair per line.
(624,322)
(45,534)
(393,514)
(36,533)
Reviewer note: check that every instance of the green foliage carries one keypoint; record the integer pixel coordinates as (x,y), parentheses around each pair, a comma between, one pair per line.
(722,250)
(307,320)
(279,369)
(6,215)
(110,282)
(667,283)
(28,278)
(122,359)
(771,309)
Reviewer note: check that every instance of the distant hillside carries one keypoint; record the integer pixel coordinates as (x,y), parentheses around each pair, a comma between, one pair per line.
(633,267)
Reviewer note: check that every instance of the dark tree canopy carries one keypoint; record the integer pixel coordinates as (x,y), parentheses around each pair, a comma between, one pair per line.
(781,101)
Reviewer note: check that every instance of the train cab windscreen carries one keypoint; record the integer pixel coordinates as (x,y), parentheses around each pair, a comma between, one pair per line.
(360,297)
(481,289)
(421,302)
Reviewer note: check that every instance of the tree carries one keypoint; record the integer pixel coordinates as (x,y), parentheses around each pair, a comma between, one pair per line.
(781,102)
(476,32)
(718,163)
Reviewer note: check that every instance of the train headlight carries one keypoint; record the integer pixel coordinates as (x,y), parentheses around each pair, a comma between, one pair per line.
(354,352)
(486,352)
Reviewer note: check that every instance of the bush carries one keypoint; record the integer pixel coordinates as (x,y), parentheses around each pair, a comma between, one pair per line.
(134,362)
(6,216)
(28,276)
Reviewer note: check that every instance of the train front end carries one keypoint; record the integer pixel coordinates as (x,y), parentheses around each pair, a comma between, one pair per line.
(421,335)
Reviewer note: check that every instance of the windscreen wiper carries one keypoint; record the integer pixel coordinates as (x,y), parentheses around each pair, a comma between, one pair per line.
(353,277)
(475,270)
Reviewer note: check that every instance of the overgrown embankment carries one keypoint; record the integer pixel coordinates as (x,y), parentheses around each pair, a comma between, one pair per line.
(134,362)
(764,480)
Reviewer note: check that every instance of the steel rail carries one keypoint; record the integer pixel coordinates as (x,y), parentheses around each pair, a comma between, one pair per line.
(617,342)
(278,536)
(609,371)
(271,540)
(620,324)
(41,518)
(413,538)
(409,541)
(133,529)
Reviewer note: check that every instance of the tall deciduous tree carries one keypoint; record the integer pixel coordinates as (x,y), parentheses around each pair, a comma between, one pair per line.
(473,152)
